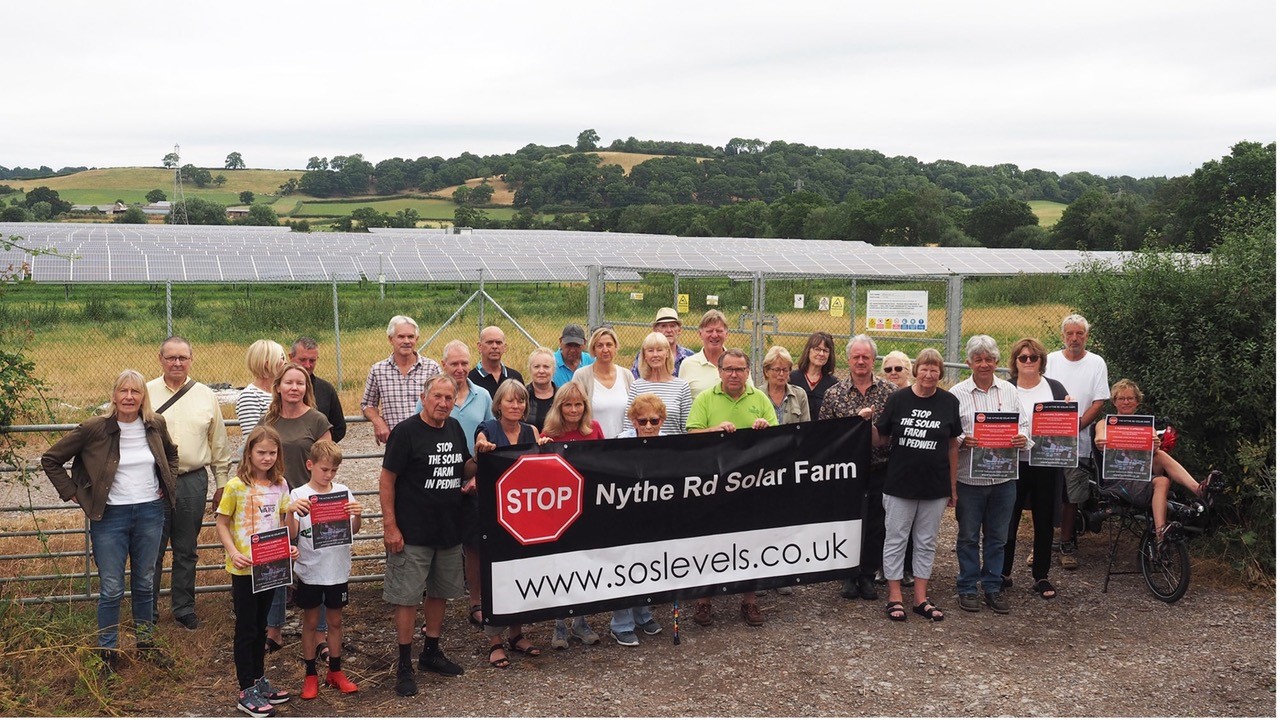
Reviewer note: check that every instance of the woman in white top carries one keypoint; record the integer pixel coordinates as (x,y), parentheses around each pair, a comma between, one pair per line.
(606,385)
(264,360)
(657,376)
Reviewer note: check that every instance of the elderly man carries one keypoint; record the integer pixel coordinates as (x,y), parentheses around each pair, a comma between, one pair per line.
(701,369)
(1084,375)
(491,373)
(731,405)
(570,356)
(425,471)
(393,384)
(194,419)
(306,352)
(983,506)
(863,395)
(666,322)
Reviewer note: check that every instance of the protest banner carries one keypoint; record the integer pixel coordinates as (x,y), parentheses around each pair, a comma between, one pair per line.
(572,528)
(1127,453)
(269,552)
(994,458)
(330,523)
(1054,428)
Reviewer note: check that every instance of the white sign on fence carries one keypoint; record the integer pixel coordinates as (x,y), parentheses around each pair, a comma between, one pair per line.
(901,310)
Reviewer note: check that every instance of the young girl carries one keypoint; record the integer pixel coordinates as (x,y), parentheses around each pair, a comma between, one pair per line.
(570,419)
(256,500)
(323,573)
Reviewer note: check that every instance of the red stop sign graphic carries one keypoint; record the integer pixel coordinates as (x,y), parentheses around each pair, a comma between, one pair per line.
(539,497)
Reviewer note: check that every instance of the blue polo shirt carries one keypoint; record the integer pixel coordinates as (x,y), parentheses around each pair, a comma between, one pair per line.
(563,373)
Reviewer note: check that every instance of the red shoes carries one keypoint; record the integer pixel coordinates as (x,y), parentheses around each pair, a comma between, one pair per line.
(335,679)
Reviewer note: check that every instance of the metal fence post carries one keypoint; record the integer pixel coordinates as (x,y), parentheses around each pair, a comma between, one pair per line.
(955,317)
(480,322)
(168,308)
(337,332)
(675,291)
(757,326)
(853,310)
(594,310)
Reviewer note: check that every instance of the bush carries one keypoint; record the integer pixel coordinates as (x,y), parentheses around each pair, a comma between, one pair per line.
(1198,333)
(99,309)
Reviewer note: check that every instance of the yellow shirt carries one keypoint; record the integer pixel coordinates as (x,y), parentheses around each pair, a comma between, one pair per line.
(195,426)
(253,508)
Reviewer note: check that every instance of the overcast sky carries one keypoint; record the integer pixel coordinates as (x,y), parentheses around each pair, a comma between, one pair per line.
(1116,88)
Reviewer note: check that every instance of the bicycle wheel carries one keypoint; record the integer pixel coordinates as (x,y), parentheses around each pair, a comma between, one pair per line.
(1166,567)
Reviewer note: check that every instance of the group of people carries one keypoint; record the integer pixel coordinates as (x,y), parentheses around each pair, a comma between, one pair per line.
(140,473)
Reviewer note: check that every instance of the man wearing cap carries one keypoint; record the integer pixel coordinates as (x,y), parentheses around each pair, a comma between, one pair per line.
(666,322)
(570,356)
(489,373)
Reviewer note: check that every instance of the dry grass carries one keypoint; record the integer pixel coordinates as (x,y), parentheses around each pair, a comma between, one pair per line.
(263,182)
(503,194)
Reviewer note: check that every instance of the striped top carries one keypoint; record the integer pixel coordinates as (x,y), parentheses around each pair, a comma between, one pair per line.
(675,395)
(250,407)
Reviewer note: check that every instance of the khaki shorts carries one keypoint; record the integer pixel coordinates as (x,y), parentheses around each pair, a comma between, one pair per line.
(1077,481)
(438,571)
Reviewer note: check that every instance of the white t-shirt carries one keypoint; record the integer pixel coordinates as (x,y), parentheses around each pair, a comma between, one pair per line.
(326,566)
(136,480)
(609,405)
(1029,397)
(1086,382)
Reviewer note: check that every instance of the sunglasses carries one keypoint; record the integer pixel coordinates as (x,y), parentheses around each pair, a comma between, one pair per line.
(898,368)
(642,422)
(1028,358)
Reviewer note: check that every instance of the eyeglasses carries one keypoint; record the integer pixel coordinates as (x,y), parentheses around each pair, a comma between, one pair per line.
(894,369)
(778,369)
(642,422)
(733,370)
(175,358)
(1028,358)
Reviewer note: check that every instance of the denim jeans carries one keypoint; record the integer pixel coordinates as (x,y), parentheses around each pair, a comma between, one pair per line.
(626,619)
(126,533)
(985,510)
(182,532)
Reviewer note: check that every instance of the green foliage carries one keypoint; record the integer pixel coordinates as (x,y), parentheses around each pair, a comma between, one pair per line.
(246,197)
(42,194)
(260,215)
(201,212)
(156,196)
(234,162)
(132,216)
(193,174)
(15,213)
(100,309)
(1199,336)
(587,140)
(1205,209)
(170,160)
(991,222)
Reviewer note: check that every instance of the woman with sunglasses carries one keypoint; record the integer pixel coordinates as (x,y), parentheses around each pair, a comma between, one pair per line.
(896,368)
(1038,487)
(817,371)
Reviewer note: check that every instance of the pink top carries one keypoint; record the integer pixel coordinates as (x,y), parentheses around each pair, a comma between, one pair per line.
(596,434)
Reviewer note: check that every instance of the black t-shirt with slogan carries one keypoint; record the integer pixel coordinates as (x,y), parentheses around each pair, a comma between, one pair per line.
(920,431)
(428,464)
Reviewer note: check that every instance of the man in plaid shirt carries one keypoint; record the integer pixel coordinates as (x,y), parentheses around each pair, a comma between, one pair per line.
(394,384)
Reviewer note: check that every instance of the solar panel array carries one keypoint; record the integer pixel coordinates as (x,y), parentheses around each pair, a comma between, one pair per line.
(154,253)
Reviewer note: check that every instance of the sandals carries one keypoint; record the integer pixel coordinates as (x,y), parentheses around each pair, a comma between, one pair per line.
(928,610)
(1045,589)
(895,611)
(471,616)
(272,646)
(501,663)
(322,651)
(528,648)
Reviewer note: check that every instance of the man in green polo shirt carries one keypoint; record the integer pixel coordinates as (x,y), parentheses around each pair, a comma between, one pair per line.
(728,406)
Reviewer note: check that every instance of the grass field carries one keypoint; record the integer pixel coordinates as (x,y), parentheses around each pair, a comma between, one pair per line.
(132,184)
(1047,211)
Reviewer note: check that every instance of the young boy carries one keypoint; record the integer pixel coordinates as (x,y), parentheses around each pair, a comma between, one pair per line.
(322,574)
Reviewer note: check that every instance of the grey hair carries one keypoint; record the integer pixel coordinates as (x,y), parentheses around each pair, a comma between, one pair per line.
(302,343)
(1075,319)
(426,384)
(400,320)
(982,345)
(454,345)
(860,338)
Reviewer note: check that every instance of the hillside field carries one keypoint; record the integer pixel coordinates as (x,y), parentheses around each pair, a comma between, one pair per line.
(1048,211)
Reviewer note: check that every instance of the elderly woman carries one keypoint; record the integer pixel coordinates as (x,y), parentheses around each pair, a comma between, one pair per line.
(816,373)
(1038,487)
(921,479)
(1126,397)
(657,377)
(506,428)
(789,402)
(605,383)
(896,368)
(647,415)
(542,368)
(293,415)
(264,359)
(124,479)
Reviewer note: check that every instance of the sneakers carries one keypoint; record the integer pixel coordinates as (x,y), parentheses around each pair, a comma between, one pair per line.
(626,638)
(251,703)
(1067,556)
(969,602)
(751,613)
(997,602)
(269,693)
(560,636)
(437,663)
(190,622)
(702,612)
(336,679)
(581,630)
(650,628)
(310,687)
(406,686)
